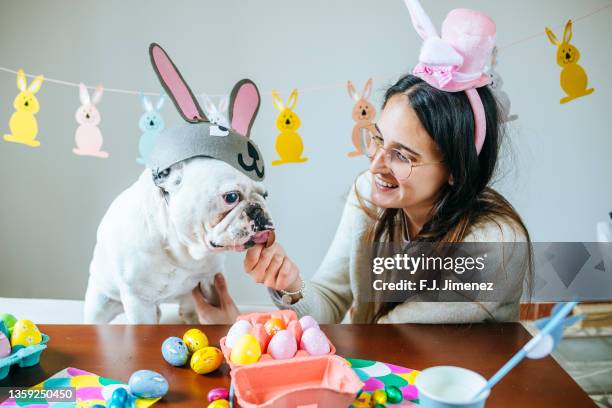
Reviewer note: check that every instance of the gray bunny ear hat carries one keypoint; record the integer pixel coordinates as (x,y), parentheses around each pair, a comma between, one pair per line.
(200,137)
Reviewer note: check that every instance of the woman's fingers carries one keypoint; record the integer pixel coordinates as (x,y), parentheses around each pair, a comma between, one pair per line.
(272,270)
(225,299)
(287,275)
(252,256)
(200,301)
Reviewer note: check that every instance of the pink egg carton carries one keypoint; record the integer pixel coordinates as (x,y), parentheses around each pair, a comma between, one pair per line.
(258,321)
(307,382)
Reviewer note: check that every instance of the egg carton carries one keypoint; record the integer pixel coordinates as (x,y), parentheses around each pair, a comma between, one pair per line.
(258,321)
(27,356)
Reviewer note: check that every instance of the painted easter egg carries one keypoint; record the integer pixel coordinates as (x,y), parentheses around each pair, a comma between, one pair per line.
(25,333)
(195,339)
(148,384)
(175,351)
(238,329)
(282,346)
(246,350)
(206,360)
(314,342)
(307,322)
(218,394)
(5,346)
(120,396)
(394,394)
(219,404)
(274,325)
(8,319)
(379,397)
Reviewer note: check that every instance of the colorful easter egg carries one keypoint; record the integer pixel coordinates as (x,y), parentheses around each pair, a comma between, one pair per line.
(25,333)
(246,350)
(195,339)
(379,397)
(394,394)
(314,342)
(148,384)
(274,325)
(238,329)
(282,346)
(8,319)
(175,351)
(5,346)
(219,404)
(120,396)
(307,322)
(206,360)
(218,394)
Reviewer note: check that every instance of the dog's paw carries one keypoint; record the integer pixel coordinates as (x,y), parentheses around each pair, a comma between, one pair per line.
(189,317)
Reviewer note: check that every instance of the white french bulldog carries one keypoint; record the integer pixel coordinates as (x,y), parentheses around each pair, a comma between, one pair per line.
(166,233)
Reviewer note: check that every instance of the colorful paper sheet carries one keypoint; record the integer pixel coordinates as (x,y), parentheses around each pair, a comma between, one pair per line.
(377,375)
(90,388)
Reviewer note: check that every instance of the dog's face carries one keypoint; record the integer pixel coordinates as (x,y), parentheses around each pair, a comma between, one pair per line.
(214,207)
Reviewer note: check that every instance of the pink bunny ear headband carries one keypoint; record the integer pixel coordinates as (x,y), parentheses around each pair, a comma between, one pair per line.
(456,60)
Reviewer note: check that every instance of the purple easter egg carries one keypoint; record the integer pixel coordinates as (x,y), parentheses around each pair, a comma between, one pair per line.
(218,394)
(307,322)
(314,342)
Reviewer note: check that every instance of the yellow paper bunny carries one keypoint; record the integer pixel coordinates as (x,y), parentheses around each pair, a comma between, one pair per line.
(23,123)
(574,80)
(289,144)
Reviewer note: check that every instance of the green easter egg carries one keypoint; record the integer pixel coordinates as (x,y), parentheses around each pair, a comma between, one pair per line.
(8,319)
(394,395)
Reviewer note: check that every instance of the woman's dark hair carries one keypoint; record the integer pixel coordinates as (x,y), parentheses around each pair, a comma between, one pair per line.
(448,118)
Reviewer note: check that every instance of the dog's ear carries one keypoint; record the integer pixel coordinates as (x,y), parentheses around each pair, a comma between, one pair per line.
(169,180)
(176,87)
(243,106)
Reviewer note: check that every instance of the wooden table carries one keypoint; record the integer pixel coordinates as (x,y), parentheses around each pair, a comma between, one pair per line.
(117,351)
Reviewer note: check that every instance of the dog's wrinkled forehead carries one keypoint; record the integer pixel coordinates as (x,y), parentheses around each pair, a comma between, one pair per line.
(205,139)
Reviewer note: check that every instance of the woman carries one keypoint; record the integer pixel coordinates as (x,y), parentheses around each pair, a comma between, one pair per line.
(426,182)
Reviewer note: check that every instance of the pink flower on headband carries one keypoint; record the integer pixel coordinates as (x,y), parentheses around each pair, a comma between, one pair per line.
(456,60)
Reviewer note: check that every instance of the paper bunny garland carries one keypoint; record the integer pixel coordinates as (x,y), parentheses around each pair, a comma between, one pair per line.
(363,114)
(88,136)
(289,145)
(455,61)
(200,137)
(496,86)
(574,79)
(23,124)
(151,124)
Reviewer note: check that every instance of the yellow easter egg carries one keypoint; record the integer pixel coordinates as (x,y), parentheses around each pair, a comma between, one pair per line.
(195,340)
(246,350)
(274,325)
(25,333)
(219,404)
(379,397)
(206,360)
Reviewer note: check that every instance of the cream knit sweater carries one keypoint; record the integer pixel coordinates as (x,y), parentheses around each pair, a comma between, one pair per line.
(334,289)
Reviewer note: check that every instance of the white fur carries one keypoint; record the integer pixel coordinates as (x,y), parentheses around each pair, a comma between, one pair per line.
(152,249)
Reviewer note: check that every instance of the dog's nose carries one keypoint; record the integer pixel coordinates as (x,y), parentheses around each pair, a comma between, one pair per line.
(259,217)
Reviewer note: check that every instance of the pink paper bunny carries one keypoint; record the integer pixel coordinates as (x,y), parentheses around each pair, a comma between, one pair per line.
(88,136)
(363,114)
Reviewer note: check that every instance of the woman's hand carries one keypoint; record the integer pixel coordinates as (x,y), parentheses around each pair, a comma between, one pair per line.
(272,267)
(225,313)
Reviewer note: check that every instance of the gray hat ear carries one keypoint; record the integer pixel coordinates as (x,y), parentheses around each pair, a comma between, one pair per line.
(243,106)
(176,87)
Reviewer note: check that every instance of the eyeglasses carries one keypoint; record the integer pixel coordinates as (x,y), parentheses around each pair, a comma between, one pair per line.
(396,160)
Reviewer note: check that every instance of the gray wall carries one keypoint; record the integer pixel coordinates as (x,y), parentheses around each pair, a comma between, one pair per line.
(52,200)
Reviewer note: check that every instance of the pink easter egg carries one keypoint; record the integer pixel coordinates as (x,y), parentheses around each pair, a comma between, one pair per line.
(283,345)
(5,346)
(314,342)
(307,322)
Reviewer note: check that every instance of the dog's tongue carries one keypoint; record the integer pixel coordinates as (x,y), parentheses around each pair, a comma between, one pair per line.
(261,237)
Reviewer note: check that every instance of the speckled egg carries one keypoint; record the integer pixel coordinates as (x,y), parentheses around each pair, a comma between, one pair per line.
(282,346)
(195,339)
(246,350)
(5,346)
(307,322)
(9,320)
(148,384)
(175,351)
(314,342)
(25,333)
(238,329)
(206,360)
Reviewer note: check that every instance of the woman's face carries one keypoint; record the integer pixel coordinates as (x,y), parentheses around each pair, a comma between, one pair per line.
(405,137)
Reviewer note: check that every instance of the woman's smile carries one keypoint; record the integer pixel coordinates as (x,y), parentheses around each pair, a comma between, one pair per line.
(384,185)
